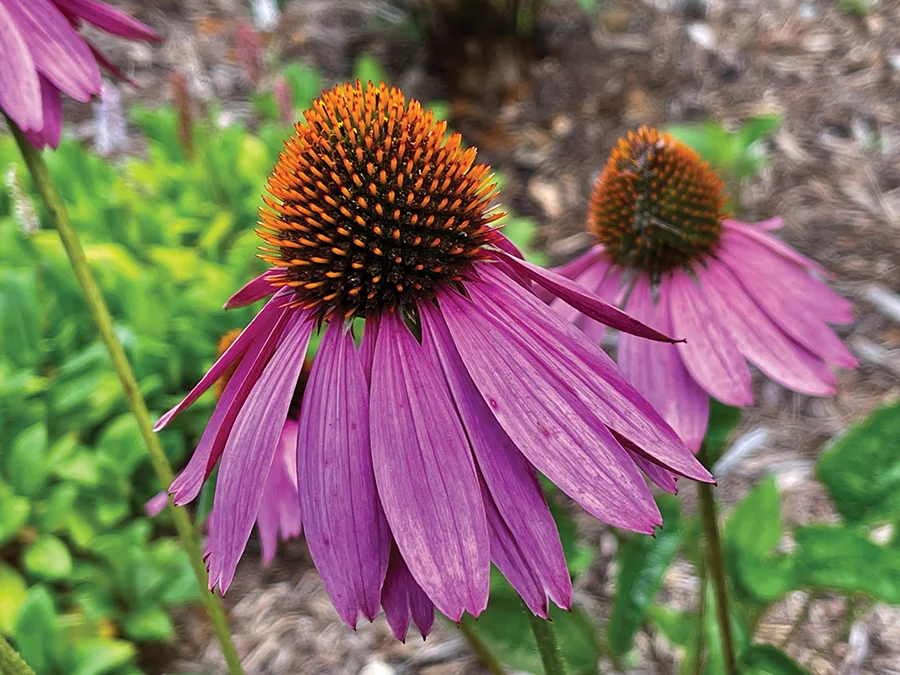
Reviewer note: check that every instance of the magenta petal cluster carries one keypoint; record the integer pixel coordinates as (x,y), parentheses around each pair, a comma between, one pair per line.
(42,54)
(754,299)
(417,458)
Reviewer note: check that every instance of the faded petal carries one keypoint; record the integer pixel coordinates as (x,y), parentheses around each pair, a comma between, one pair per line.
(52,106)
(254,290)
(402,597)
(109,19)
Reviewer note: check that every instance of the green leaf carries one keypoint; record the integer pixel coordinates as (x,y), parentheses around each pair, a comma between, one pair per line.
(26,464)
(151,624)
(768,660)
(843,559)
(305,84)
(754,526)
(756,128)
(722,421)
(36,631)
(14,513)
(678,627)
(48,558)
(504,628)
(13,592)
(642,563)
(368,69)
(861,470)
(578,556)
(96,657)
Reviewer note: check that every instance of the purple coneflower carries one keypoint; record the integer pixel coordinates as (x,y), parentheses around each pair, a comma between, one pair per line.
(418,451)
(41,54)
(667,252)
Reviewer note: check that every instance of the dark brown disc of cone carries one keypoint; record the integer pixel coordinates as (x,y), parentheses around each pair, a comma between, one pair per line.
(373,205)
(657,205)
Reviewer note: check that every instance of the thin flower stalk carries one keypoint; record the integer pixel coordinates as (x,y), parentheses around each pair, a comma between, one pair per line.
(100,313)
(11,663)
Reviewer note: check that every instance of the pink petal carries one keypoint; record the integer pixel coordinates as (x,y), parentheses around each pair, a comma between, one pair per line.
(20,91)
(254,290)
(425,474)
(346,530)
(657,372)
(611,290)
(109,19)
(58,51)
(279,511)
(584,369)
(786,308)
(188,483)
(774,244)
(367,345)
(796,281)
(262,323)
(250,451)
(156,504)
(558,433)
(512,562)
(402,596)
(588,304)
(508,476)
(758,338)
(709,354)
(590,279)
(52,107)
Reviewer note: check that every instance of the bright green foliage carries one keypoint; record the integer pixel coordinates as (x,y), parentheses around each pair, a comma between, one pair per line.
(734,155)
(722,420)
(642,563)
(862,468)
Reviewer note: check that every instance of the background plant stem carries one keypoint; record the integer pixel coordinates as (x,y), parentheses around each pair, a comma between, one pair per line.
(488,660)
(10,661)
(100,313)
(545,637)
(716,571)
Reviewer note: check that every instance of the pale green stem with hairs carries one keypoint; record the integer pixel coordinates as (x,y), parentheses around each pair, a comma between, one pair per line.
(10,661)
(102,318)
(545,637)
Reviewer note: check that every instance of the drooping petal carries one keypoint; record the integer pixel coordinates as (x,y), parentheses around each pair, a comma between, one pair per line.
(545,419)
(663,479)
(367,345)
(658,373)
(250,451)
(262,323)
(426,475)
(20,90)
(346,530)
(401,597)
(109,19)
(773,244)
(254,290)
(786,278)
(590,279)
(610,288)
(279,511)
(586,303)
(508,476)
(156,504)
(575,267)
(795,317)
(760,340)
(512,562)
(584,369)
(52,106)
(709,354)
(57,50)
(188,483)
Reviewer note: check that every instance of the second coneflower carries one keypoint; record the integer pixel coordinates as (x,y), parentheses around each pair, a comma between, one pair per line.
(668,253)
(418,451)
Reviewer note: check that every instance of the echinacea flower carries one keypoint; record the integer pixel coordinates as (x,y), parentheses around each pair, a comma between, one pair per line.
(668,253)
(279,509)
(418,451)
(42,54)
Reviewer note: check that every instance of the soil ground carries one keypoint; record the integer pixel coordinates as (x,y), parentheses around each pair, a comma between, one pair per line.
(546,114)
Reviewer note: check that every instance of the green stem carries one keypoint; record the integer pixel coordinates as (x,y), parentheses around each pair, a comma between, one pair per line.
(545,637)
(488,660)
(100,313)
(700,645)
(716,571)
(10,661)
